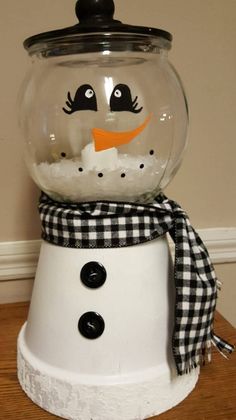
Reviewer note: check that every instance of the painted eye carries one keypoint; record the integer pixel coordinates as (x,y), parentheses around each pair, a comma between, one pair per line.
(121,100)
(89,93)
(117,93)
(84,99)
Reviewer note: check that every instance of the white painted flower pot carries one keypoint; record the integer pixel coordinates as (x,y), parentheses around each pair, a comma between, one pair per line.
(128,372)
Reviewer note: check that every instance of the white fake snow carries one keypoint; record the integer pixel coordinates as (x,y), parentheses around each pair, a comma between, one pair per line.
(64,181)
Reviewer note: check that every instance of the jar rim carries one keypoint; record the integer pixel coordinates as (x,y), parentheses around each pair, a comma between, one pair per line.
(79,29)
(90,42)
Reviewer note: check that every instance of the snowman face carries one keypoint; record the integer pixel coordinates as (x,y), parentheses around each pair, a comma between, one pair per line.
(104,159)
(120,100)
(104,128)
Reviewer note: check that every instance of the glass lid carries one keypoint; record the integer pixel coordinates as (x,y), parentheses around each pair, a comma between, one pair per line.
(95,17)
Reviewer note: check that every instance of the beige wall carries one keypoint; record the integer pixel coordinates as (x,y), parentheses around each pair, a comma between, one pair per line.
(203,53)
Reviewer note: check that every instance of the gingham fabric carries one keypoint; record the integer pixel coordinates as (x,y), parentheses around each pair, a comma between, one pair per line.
(115,224)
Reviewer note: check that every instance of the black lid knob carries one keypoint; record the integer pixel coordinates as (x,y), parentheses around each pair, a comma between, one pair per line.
(91,10)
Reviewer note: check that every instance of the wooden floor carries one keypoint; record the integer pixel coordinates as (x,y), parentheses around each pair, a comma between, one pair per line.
(213,399)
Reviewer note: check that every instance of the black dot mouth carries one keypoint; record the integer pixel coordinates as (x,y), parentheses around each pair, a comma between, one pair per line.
(63,154)
(122,174)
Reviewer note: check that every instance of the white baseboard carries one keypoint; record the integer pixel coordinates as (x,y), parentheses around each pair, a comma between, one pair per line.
(18,260)
(16,290)
(221,244)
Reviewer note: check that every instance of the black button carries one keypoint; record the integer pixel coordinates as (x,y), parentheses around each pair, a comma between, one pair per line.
(93,275)
(91,325)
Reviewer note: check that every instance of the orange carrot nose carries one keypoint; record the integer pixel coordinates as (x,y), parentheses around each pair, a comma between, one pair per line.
(107,139)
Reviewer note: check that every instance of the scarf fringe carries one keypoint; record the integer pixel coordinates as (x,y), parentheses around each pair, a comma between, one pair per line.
(218,284)
(222,346)
(204,355)
(201,357)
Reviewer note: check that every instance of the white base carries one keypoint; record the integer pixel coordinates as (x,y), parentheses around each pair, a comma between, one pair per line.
(87,397)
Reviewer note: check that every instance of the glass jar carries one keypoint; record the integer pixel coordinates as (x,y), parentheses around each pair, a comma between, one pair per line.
(103,115)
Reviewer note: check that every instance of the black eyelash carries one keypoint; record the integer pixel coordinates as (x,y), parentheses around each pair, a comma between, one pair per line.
(135,105)
(81,101)
(124,101)
(70,103)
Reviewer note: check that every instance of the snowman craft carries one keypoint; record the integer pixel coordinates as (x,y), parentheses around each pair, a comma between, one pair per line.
(115,330)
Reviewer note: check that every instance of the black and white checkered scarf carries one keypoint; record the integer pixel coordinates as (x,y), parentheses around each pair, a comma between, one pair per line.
(115,224)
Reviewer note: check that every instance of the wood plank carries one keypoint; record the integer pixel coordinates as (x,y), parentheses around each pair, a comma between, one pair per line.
(212,399)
